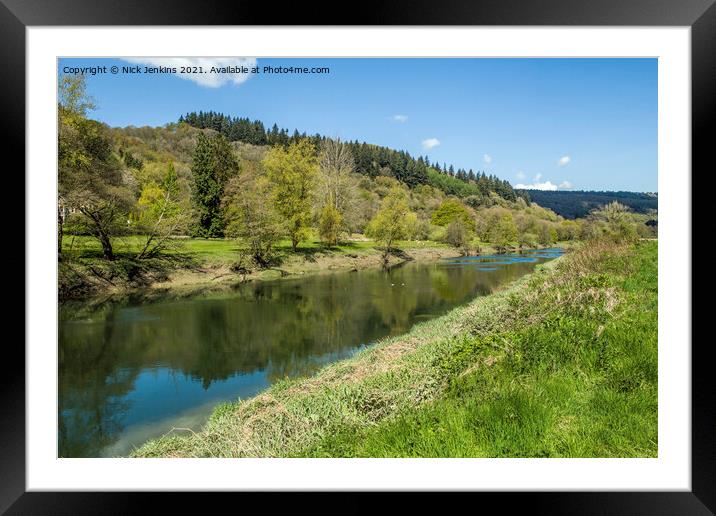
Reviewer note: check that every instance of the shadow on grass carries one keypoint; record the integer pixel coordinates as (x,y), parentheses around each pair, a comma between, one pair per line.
(316,249)
(90,273)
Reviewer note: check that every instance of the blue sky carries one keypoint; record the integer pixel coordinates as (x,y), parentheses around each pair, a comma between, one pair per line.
(581,124)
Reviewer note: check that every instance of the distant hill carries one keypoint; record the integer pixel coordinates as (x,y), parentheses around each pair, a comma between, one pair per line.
(573,205)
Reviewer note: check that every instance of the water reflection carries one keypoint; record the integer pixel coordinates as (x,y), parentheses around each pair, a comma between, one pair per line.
(129,371)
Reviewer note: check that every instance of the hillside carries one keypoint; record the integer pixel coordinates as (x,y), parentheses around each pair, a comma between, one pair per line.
(134,201)
(369,160)
(493,213)
(483,199)
(573,205)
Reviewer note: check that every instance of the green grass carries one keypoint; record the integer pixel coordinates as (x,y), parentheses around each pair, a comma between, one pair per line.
(219,250)
(561,363)
(582,382)
(84,273)
(226,251)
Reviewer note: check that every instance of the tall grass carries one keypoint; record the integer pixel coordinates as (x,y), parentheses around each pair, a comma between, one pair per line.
(562,363)
(577,377)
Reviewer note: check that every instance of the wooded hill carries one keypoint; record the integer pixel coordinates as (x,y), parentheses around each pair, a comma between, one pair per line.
(370,160)
(578,204)
(240,179)
(147,151)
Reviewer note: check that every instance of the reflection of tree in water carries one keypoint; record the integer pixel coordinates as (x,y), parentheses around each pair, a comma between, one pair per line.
(394,302)
(213,352)
(282,328)
(91,401)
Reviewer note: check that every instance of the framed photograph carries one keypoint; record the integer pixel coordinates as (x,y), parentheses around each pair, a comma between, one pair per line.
(432,250)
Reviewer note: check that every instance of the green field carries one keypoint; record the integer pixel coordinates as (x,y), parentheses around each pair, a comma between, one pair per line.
(561,364)
(222,250)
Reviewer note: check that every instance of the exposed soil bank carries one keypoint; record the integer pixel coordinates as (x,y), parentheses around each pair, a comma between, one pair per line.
(99,280)
(297,265)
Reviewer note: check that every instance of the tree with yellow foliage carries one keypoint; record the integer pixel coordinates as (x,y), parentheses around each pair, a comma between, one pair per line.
(292,173)
(391,221)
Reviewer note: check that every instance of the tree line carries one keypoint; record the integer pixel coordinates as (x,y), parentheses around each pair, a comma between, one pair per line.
(370,160)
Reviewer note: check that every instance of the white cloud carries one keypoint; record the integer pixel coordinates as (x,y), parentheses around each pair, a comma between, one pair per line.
(538,177)
(208,79)
(521,175)
(547,185)
(564,160)
(401,119)
(430,143)
(487,158)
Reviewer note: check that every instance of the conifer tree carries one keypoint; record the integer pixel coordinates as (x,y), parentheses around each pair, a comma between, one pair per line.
(213,164)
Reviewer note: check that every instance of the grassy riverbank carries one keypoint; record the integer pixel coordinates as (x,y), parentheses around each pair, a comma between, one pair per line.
(190,264)
(561,363)
(197,264)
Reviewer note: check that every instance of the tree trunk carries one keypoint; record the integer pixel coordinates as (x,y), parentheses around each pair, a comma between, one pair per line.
(59,233)
(102,235)
(143,252)
(106,245)
(386,253)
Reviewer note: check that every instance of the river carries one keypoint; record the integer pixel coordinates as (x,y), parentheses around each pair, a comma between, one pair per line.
(131,370)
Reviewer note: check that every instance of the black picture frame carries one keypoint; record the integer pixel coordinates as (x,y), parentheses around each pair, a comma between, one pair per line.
(700,15)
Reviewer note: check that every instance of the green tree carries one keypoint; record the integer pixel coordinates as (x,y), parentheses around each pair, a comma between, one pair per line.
(527,240)
(72,109)
(546,234)
(503,231)
(73,98)
(568,230)
(616,221)
(329,224)
(213,164)
(292,173)
(391,221)
(458,235)
(251,219)
(451,210)
(91,179)
(159,213)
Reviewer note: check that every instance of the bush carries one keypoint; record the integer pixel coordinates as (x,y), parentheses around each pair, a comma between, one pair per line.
(437,233)
(329,225)
(458,235)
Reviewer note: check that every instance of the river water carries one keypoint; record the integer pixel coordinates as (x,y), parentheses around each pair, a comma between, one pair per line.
(131,370)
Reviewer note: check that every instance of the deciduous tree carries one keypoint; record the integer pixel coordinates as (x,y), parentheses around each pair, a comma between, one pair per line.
(336,188)
(452,210)
(390,223)
(616,220)
(458,235)
(503,231)
(292,173)
(158,213)
(329,224)
(251,219)
(91,177)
